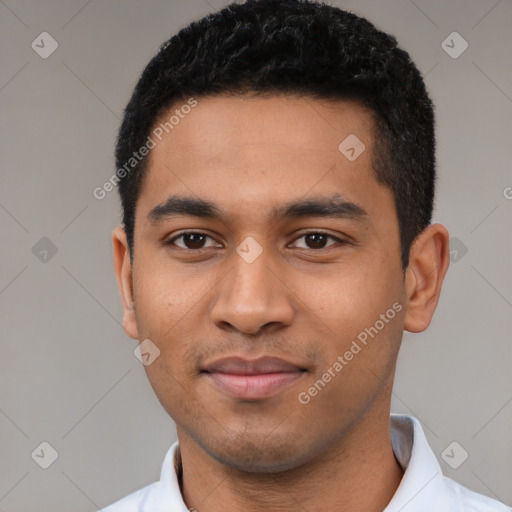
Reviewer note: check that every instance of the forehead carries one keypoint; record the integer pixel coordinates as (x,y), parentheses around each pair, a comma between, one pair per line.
(252,153)
(277,122)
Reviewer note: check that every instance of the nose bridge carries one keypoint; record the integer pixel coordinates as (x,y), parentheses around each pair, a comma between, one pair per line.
(252,276)
(251,295)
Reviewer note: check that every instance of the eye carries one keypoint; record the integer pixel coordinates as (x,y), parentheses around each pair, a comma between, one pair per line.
(318,239)
(192,240)
(195,240)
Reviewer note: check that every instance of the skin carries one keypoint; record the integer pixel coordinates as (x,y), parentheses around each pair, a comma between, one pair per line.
(301,301)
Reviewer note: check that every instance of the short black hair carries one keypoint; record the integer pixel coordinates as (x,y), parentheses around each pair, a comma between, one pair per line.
(297,47)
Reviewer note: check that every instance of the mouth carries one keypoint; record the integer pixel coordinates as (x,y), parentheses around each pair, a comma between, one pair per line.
(252,380)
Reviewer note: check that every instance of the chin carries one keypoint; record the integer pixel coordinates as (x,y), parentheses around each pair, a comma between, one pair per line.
(259,453)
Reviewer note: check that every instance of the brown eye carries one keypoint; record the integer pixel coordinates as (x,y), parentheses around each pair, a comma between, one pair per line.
(317,240)
(191,240)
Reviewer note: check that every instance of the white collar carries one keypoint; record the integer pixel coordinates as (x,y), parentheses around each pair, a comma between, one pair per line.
(422,473)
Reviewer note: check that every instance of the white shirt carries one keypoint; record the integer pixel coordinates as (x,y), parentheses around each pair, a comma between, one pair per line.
(423,487)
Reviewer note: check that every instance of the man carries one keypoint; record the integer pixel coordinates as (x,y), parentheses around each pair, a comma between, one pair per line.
(276,170)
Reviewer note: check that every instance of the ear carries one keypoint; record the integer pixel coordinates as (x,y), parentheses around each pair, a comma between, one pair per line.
(428,262)
(123,268)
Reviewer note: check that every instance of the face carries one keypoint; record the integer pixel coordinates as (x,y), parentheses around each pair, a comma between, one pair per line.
(296,257)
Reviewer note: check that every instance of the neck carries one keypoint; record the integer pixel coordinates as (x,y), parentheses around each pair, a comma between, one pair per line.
(358,473)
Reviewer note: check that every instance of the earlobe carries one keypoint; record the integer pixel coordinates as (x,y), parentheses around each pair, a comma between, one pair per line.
(123,269)
(428,262)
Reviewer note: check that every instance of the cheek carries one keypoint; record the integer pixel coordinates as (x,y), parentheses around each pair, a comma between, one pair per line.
(171,387)
(165,309)
(164,296)
(360,312)
(348,297)
(164,314)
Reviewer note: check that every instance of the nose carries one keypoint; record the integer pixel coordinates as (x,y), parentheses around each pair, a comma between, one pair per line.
(252,296)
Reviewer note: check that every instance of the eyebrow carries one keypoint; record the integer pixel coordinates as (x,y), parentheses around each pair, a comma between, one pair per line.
(325,207)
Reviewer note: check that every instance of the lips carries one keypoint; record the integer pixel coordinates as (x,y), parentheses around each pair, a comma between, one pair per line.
(252,380)
(240,366)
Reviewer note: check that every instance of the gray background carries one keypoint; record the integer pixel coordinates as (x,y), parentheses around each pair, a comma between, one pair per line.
(68,375)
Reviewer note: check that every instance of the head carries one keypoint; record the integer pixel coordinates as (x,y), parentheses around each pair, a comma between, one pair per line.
(296,142)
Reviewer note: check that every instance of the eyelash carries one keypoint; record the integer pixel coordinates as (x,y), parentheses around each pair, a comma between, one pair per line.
(181,235)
